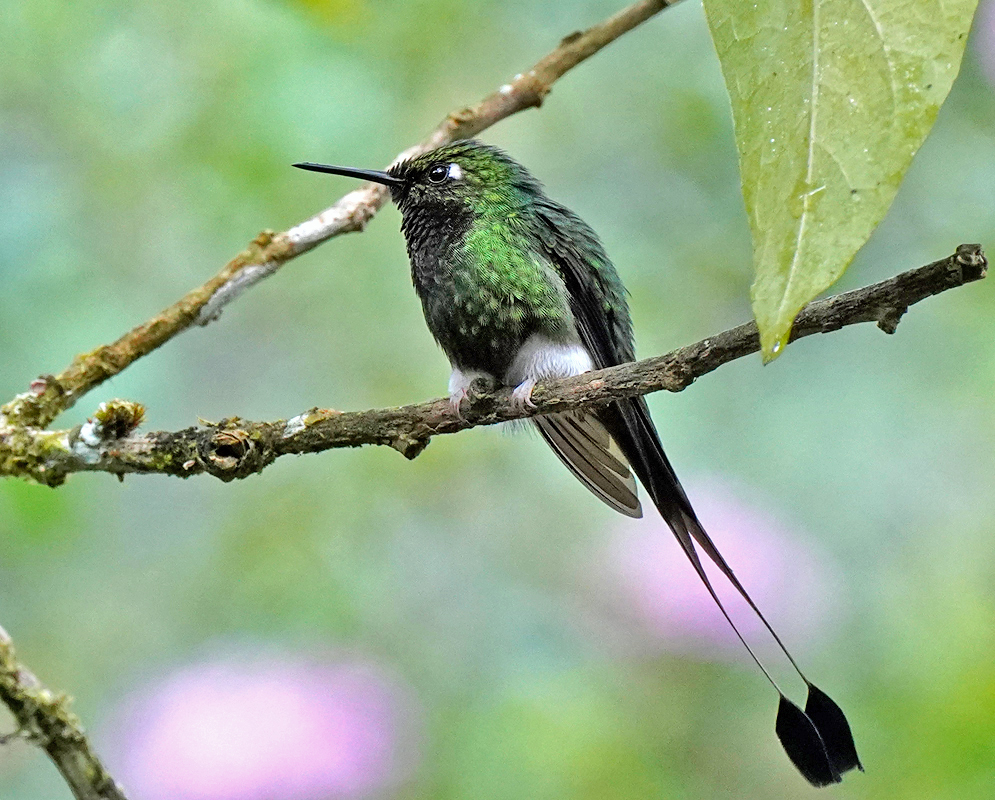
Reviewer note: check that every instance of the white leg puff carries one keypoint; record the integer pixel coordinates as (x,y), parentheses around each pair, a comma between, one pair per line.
(542,359)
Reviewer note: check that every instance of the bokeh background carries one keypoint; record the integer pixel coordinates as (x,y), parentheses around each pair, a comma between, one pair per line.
(473,624)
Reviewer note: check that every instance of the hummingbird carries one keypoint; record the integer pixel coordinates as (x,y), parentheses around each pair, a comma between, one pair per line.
(518,289)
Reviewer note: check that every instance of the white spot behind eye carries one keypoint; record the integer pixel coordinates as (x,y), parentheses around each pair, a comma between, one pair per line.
(455,172)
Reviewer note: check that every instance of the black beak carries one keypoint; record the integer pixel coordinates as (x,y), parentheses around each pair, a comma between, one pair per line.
(375,175)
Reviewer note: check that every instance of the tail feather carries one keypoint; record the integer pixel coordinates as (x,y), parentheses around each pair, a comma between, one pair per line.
(590,453)
(820,744)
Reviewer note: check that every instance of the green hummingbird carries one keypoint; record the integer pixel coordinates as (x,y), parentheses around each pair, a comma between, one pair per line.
(518,289)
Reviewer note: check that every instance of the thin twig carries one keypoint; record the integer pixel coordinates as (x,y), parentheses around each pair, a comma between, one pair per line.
(236,448)
(53,394)
(44,717)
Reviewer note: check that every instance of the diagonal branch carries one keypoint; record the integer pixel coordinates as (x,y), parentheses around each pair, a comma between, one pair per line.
(44,717)
(53,394)
(236,448)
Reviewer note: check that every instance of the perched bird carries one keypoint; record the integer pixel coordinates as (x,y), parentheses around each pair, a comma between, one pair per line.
(518,289)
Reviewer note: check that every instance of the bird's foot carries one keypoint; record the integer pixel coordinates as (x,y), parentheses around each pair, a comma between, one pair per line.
(522,394)
(457,398)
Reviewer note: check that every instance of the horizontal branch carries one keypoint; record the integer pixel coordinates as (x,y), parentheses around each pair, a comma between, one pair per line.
(53,394)
(236,448)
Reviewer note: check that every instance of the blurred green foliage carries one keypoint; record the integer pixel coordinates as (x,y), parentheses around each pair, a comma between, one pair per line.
(142,145)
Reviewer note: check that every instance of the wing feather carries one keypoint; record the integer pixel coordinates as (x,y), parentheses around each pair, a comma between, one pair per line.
(585,447)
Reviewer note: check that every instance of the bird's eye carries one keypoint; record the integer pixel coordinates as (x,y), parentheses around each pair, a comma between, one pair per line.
(438,173)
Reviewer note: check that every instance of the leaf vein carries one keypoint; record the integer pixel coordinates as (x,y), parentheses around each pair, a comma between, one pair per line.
(807,198)
(886,50)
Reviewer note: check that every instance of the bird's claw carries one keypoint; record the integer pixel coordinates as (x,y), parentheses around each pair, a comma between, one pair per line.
(456,399)
(522,395)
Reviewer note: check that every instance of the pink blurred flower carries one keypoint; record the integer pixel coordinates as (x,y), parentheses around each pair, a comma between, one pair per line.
(265,728)
(656,586)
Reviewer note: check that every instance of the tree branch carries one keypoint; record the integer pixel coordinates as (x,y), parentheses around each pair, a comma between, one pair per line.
(236,448)
(53,394)
(44,717)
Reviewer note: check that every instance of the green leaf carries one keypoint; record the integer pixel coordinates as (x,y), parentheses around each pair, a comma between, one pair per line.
(831,99)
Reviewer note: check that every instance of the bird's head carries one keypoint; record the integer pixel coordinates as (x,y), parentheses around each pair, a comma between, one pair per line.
(460,178)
